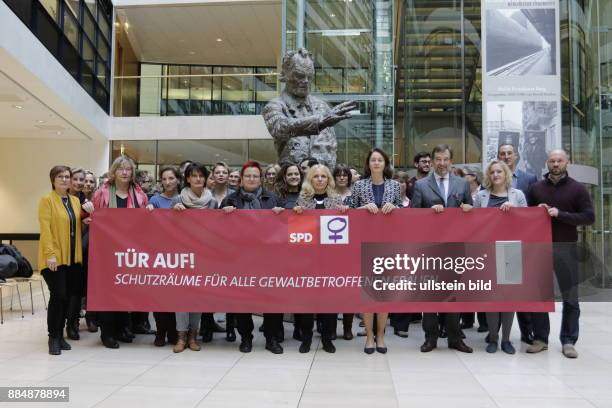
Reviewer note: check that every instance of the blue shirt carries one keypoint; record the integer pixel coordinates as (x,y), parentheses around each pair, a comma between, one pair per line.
(159,201)
(379,191)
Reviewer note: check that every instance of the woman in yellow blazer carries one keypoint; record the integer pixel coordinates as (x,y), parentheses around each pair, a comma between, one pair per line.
(60,253)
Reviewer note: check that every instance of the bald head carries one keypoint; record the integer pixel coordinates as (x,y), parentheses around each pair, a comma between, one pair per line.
(557,162)
(558,152)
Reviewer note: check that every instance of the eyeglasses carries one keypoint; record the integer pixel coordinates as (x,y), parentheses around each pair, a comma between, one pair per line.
(63,177)
(251,176)
(125,169)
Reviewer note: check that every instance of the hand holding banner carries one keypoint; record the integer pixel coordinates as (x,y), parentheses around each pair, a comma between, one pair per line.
(320,261)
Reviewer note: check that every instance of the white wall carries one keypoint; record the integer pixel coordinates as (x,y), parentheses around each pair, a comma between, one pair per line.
(24,175)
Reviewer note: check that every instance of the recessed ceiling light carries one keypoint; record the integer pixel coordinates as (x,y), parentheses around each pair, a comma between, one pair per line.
(17,106)
(59,133)
(191,52)
(219,39)
(40,121)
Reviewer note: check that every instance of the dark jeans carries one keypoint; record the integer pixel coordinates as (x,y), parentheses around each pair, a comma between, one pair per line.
(431,326)
(305,322)
(567,274)
(65,283)
(272,323)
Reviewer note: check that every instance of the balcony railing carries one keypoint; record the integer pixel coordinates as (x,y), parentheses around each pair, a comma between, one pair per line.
(178,94)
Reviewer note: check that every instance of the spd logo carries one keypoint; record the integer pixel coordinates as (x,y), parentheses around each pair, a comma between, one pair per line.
(303,229)
(334,229)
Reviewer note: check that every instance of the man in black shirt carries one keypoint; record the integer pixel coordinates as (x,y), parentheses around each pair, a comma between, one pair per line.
(569,204)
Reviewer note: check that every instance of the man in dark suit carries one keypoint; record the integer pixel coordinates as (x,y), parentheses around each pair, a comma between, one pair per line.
(439,190)
(522,181)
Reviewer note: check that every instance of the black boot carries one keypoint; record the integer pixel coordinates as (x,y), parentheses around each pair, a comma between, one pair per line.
(328,346)
(305,346)
(55,347)
(110,342)
(64,344)
(72,330)
(246,345)
(273,346)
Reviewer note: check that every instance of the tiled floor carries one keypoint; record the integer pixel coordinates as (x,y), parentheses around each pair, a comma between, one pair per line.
(139,374)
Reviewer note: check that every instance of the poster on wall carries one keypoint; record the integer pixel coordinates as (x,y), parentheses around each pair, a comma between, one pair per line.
(521,83)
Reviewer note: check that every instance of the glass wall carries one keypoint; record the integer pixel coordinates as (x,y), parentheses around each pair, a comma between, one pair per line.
(77,33)
(177,90)
(438,96)
(352,44)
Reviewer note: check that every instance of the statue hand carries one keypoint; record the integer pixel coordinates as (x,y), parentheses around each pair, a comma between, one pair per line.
(337,114)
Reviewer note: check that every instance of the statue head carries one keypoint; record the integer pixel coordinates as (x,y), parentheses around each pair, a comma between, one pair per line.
(297,72)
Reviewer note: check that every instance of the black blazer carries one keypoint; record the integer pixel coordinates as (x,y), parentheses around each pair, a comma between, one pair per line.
(426,193)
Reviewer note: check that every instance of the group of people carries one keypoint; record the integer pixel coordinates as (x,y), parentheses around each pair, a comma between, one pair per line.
(65,214)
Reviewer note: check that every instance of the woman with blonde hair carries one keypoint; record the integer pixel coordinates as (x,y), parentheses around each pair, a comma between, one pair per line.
(120,191)
(269,177)
(499,193)
(318,192)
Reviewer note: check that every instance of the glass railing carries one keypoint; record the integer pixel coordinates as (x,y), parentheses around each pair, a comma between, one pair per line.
(183,94)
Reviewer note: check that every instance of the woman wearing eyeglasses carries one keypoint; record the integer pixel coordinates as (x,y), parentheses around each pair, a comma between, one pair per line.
(120,191)
(60,253)
(251,196)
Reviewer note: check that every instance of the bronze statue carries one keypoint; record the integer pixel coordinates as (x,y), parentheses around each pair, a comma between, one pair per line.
(302,124)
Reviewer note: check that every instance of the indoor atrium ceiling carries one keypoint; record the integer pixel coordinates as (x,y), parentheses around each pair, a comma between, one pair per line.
(247,34)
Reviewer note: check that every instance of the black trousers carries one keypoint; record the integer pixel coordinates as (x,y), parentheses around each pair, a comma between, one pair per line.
(468,318)
(113,323)
(525,323)
(140,319)
(431,326)
(166,325)
(272,323)
(89,316)
(400,321)
(347,321)
(66,282)
(305,321)
(566,271)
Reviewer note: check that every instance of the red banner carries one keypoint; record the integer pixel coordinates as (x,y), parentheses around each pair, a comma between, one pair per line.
(320,261)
